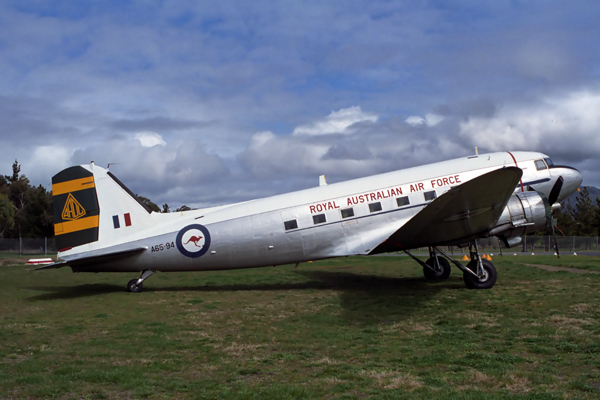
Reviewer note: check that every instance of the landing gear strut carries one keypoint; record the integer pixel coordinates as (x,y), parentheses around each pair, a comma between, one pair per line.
(478,274)
(436,268)
(136,285)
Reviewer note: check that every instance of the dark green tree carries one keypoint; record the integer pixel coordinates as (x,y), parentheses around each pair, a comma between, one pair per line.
(152,206)
(597,216)
(17,188)
(7,214)
(183,208)
(584,214)
(166,208)
(31,207)
(38,217)
(564,221)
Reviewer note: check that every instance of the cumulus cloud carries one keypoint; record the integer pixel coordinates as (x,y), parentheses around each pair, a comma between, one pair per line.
(313,149)
(348,151)
(150,139)
(549,125)
(429,120)
(341,121)
(376,147)
(158,171)
(43,159)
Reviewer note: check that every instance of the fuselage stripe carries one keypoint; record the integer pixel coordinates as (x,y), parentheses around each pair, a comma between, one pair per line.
(517,165)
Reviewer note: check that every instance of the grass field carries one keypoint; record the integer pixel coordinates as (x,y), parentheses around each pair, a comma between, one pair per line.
(340,329)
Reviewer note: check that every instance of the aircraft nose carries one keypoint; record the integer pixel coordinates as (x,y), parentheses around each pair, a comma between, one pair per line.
(572,180)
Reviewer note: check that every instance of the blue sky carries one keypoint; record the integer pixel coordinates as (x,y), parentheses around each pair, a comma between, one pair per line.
(202,103)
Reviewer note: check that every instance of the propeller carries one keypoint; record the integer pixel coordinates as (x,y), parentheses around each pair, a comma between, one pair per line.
(556,190)
(554,193)
(554,236)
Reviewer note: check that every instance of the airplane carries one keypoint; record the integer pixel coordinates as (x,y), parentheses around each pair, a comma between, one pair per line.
(101,226)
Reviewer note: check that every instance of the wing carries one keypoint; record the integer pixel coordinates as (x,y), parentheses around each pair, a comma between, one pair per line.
(459,215)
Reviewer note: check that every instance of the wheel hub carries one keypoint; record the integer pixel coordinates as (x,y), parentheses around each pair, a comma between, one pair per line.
(484,276)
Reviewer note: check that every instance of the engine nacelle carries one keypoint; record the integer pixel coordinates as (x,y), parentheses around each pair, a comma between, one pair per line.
(525,212)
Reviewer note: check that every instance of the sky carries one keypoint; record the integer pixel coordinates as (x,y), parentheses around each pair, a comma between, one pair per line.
(207,103)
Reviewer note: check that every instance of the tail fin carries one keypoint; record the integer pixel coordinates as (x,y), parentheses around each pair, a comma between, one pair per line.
(91,206)
(76,210)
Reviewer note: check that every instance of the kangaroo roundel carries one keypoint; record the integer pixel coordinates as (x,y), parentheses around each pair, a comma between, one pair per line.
(193,240)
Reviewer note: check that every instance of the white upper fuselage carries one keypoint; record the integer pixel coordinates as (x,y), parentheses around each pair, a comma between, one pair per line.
(345,218)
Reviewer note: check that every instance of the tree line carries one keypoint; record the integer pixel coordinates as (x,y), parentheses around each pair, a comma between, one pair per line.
(579,219)
(165,207)
(26,210)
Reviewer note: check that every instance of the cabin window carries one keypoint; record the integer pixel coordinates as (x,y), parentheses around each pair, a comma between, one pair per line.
(374,207)
(430,195)
(402,201)
(347,212)
(540,165)
(319,218)
(291,224)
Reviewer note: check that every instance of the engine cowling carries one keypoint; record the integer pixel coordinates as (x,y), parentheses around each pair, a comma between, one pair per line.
(525,212)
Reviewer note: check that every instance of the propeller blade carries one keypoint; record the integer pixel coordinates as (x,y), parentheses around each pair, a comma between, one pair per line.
(555,191)
(555,241)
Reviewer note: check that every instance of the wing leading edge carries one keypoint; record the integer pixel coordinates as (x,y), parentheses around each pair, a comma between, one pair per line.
(462,213)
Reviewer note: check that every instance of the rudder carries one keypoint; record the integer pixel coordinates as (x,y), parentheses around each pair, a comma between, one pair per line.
(76,210)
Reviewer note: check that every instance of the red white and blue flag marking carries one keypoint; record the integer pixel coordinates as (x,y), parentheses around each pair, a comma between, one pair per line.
(117,220)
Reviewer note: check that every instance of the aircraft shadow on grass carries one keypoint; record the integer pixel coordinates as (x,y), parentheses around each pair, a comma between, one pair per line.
(361,295)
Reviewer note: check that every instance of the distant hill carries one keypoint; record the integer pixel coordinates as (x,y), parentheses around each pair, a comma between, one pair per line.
(593,191)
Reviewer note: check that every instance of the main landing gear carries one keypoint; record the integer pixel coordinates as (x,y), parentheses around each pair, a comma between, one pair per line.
(477,274)
(136,285)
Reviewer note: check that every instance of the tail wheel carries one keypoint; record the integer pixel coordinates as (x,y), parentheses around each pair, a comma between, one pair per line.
(487,281)
(134,287)
(440,275)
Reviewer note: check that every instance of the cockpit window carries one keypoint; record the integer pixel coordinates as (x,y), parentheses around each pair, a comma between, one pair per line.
(540,165)
(549,162)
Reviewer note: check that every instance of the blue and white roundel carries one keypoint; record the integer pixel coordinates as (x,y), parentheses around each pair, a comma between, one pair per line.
(193,240)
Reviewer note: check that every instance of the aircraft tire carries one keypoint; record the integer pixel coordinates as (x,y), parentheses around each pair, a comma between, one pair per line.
(437,276)
(487,282)
(133,287)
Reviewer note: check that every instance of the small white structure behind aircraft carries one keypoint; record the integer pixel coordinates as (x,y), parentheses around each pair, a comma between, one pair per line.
(101,226)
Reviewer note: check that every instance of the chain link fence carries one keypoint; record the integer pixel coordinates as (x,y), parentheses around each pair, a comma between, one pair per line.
(531,244)
(41,246)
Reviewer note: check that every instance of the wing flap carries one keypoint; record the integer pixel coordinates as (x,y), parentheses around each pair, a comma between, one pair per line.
(462,213)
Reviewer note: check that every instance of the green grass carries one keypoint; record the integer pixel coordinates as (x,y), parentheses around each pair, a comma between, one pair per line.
(565,260)
(11,258)
(340,329)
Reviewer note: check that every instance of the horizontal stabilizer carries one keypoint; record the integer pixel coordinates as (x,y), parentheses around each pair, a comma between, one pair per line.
(52,266)
(95,256)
